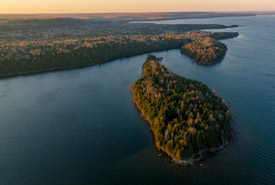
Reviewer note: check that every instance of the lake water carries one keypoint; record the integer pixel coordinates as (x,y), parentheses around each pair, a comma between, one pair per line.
(81,127)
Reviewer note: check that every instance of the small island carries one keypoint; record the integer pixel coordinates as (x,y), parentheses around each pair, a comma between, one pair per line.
(187,119)
(207,50)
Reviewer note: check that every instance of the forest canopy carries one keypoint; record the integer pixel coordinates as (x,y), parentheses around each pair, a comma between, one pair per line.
(28,56)
(185,116)
(207,50)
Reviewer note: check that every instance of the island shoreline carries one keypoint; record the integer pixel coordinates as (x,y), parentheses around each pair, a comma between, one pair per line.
(196,157)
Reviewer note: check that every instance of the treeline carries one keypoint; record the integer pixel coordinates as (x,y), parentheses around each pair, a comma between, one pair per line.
(184,115)
(19,57)
(49,57)
(63,28)
(223,35)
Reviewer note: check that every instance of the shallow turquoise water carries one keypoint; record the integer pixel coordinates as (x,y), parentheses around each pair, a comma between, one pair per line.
(81,127)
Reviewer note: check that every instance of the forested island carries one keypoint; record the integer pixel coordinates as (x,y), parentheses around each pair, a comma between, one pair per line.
(207,50)
(33,45)
(187,119)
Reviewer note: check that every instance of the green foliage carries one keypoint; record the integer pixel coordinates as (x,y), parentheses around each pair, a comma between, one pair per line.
(184,115)
(41,44)
(19,57)
(80,53)
(205,51)
(224,35)
(36,45)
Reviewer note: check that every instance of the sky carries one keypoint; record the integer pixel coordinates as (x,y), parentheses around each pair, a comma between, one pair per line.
(97,6)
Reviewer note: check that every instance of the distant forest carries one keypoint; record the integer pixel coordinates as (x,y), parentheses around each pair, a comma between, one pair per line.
(36,45)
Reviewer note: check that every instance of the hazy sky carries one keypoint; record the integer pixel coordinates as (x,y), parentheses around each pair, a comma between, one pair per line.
(94,6)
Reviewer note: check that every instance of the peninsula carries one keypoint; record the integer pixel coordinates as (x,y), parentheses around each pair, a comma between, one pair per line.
(187,119)
(207,50)
(40,45)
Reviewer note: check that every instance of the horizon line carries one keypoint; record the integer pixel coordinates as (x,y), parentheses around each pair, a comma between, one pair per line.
(141,12)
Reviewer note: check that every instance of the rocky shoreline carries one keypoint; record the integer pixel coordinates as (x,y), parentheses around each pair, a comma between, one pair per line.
(198,156)
(202,154)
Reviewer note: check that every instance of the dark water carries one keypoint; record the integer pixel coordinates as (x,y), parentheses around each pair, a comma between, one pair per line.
(81,127)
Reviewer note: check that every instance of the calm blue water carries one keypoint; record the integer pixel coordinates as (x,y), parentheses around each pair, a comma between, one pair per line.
(81,127)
